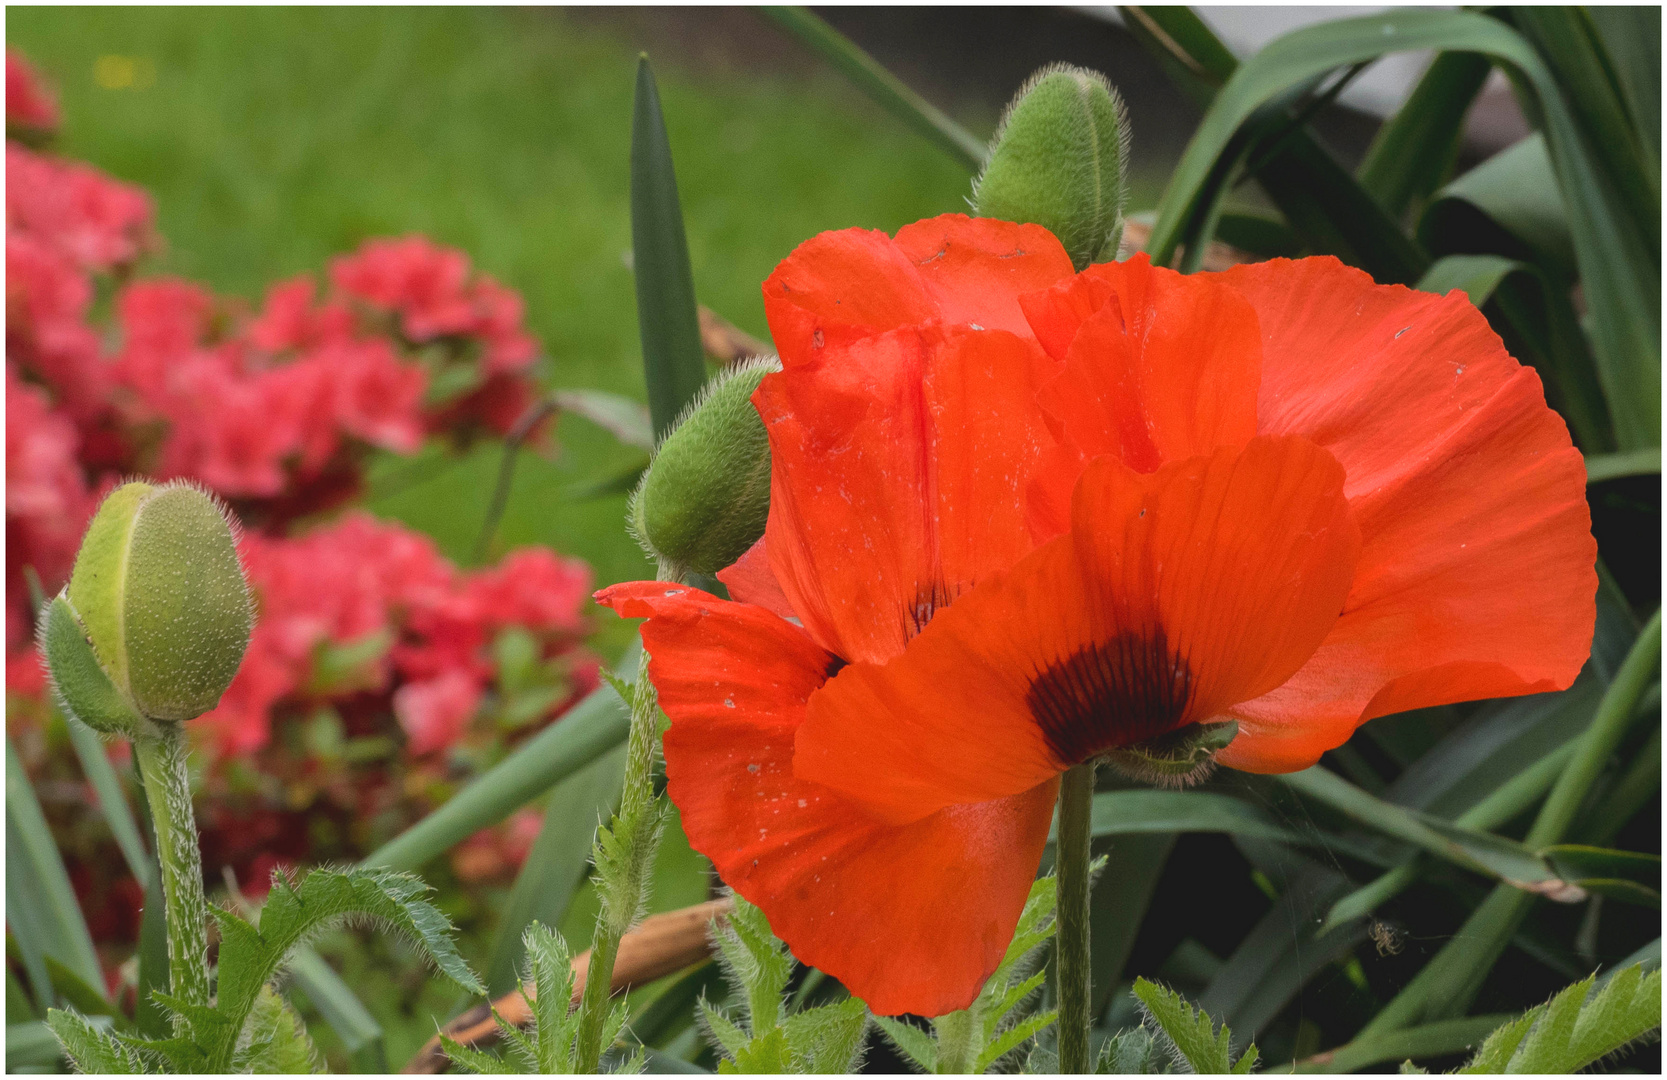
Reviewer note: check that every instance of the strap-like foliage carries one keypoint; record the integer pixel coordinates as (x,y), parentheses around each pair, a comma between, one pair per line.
(764,1036)
(242,1031)
(1194,1040)
(1576,1028)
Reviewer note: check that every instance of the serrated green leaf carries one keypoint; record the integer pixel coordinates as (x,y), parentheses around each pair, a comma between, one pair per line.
(913,1043)
(1013,1038)
(1576,1027)
(468,1059)
(756,964)
(828,1039)
(1132,1052)
(765,1054)
(721,1029)
(274,1040)
(93,1049)
(1191,1033)
(550,967)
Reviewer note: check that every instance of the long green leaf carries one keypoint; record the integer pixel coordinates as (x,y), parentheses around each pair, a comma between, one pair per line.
(556,864)
(112,800)
(1118,904)
(1621,279)
(1568,42)
(885,88)
(578,737)
(1449,982)
(40,904)
(32,1047)
(1601,467)
(1632,38)
(1508,205)
(1323,203)
(1473,849)
(667,317)
(359,1031)
(1439,1039)
(1625,875)
(1415,148)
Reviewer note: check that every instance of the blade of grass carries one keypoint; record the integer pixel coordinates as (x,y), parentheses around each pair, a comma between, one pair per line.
(1440,1039)
(358,1030)
(1449,982)
(556,864)
(1601,467)
(882,86)
(1118,906)
(1568,43)
(1472,849)
(112,800)
(1415,149)
(1632,38)
(40,904)
(674,363)
(578,737)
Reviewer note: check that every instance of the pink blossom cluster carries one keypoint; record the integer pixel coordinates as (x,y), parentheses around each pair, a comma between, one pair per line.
(360,581)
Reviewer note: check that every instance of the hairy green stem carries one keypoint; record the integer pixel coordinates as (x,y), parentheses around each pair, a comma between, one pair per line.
(1071,959)
(636,829)
(162,765)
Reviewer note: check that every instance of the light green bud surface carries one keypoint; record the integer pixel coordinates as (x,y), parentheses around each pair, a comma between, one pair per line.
(1059,160)
(158,606)
(705,497)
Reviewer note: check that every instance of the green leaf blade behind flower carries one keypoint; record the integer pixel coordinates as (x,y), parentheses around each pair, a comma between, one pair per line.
(674,364)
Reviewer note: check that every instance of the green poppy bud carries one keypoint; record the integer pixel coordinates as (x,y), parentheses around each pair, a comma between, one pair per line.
(703,501)
(1058,160)
(1179,759)
(156,616)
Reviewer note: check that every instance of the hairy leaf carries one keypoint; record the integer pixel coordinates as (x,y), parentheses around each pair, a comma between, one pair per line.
(1576,1028)
(1193,1037)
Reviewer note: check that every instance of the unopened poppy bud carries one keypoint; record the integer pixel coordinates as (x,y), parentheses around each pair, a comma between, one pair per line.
(1058,160)
(703,501)
(1178,759)
(156,616)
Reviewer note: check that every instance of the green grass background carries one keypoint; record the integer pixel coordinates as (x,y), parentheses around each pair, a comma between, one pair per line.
(272,139)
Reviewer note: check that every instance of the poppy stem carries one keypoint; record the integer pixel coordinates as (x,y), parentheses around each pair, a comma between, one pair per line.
(1076,804)
(162,766)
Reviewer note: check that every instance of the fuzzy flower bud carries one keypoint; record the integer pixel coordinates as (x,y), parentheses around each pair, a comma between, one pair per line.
(1059,160)
(703,501)
(1179,759)
(156,616)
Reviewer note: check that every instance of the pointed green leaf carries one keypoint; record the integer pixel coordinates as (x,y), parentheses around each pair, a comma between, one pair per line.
(913,1043)
(673,362)
(1416,147)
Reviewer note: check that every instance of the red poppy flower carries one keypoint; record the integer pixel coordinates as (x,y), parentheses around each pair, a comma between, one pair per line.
(1020,517)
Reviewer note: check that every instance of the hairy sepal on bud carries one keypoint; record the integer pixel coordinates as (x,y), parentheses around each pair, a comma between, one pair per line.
(157,614)
(1059,160)
(1179,759)
(704,498)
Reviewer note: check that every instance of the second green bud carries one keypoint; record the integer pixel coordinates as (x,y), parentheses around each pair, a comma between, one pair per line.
(1059,160)
(704,498)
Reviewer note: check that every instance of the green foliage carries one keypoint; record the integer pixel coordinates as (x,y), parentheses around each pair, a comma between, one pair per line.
(1059,159)
(764,1035)
(1191,1036)
(248,1027)
(1577,1028)
(703,501)
(1000,1023)
(550,1044)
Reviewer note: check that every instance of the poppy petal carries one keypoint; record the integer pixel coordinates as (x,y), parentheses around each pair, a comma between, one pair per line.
(1477,572)
(1176,595)
(1160,367)
(751,581)
(842,286)
(977,268)
(897,478)
(734,681)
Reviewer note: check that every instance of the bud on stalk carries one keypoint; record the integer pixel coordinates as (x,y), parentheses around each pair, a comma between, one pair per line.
(1059,160)
(705,497)
(156,616)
